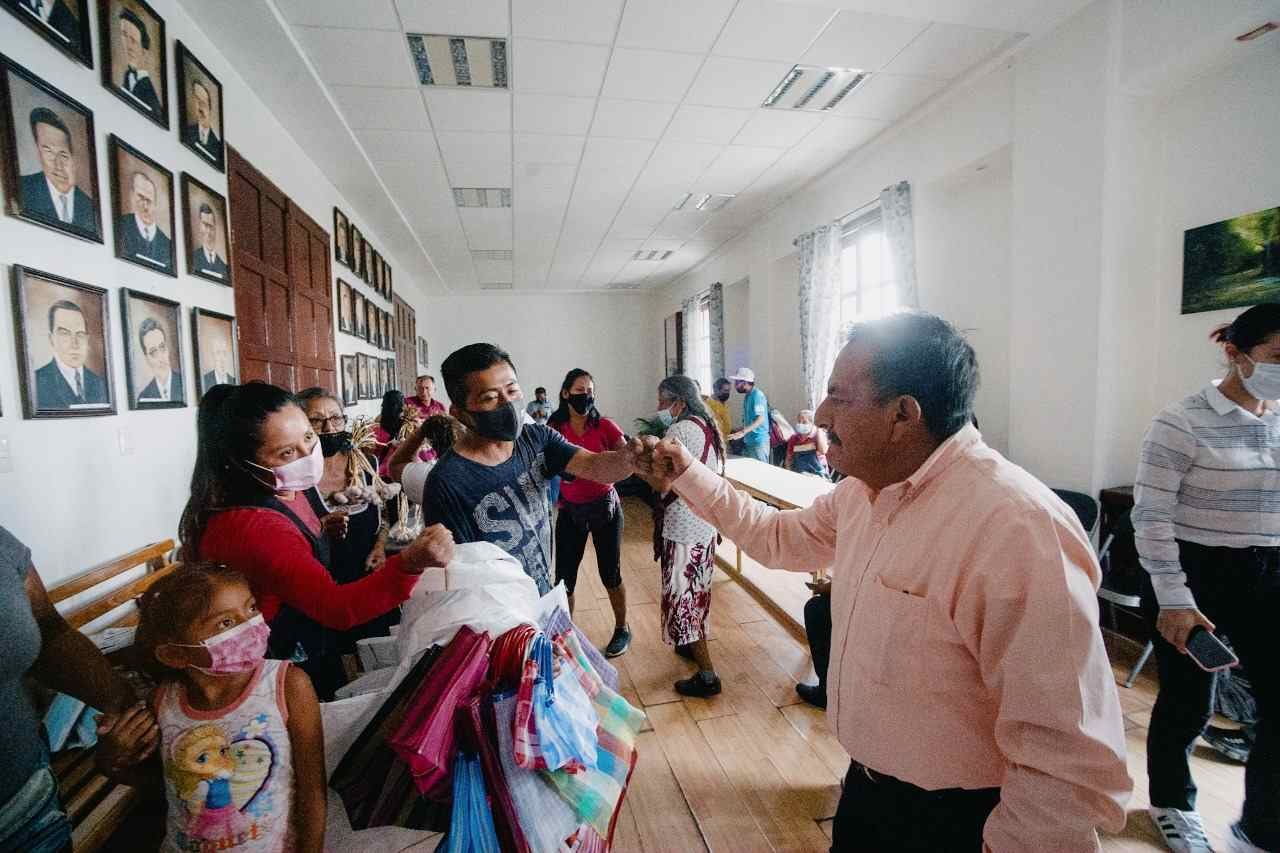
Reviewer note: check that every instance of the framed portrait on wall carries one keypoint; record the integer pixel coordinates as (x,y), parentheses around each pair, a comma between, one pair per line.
(50,159)
(153,367)
(62,23)
(213,340)
(388,331)
(390,290)
(134,57)
(142,208)
(362,374)
(357,251)
(64,348)
(359,315)
(366,264)
(208,235)
(350,388)
(346,322)
(200,124)
(372,332)
(341,238)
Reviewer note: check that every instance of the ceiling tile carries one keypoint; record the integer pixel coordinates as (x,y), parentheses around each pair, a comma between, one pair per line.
(860,40)
(358,57)
(682,162)
(947,50)
(553,114)
(682,224)
(593,21)
(735,169)
(726,82)
(468,109)
(557,67)
(888,97)
(717,125)
(673,24)
(493,272)
(355,14)
(486,228)
(777,128)
(392,146)
(839,132)
(650,75)
(768,29)
(631,119)
(476,159)
(454,17)
(544,148)
(381,108)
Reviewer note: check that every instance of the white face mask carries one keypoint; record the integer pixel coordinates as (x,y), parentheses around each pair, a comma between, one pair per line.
(1264,382)
(804,429)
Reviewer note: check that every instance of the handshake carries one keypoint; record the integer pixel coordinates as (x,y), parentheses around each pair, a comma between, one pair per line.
(658,462)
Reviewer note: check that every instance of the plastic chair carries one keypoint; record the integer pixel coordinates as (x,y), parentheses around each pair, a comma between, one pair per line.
(1117,593)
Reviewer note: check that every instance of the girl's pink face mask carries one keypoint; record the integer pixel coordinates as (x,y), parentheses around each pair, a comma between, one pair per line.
(235,650)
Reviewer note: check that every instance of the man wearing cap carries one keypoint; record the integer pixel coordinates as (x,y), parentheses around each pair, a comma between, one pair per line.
(755,416)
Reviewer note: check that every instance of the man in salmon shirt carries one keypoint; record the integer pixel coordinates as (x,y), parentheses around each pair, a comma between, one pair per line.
(967,679)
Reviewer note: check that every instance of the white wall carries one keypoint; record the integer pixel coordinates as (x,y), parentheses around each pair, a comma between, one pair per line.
(737,328)
(72,495)
(550,334)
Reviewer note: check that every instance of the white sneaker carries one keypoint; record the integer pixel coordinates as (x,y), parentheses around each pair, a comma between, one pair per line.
(1183,832)
(1238,842)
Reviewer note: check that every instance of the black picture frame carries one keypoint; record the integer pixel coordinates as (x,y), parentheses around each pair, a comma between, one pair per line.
(362,374)
(388,332)
(375,273)
(357,251)
(66,30)
(350,380)
(341,248)
(27,197)
(372,333)
(390,289)
(346,298)
(45,393)
(192,72)
(148,397)
(206,367)
(150,92)
(196,193)
(359,316)
(366,264)
(129,243)
(393,379)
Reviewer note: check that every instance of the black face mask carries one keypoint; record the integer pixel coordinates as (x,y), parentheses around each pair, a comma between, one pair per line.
(723,396)
(581,403)
(501,424)
(333,443)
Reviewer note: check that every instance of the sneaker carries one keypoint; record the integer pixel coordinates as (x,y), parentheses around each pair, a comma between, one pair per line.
(1183,831)
(813,694)
(1238,842)
(1233,743)
(701,683)
(619,642)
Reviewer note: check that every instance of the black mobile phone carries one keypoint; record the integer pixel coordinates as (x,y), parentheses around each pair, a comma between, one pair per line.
(1208,651)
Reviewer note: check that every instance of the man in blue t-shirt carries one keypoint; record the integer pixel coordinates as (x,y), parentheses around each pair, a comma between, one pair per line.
(754,431)
(492,486)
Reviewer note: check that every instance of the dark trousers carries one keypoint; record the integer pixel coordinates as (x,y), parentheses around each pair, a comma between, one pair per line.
(1238,589)
(571,543)
(817,628)
(881,814)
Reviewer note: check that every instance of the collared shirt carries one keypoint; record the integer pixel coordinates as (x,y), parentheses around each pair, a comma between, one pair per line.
(539,410)
(428,407)
(148,232)
(210,256)
(138,76)
(70,374)
(163,385)
(63,202)
(203,133)
(965,648)
(721,413)
(1209,473)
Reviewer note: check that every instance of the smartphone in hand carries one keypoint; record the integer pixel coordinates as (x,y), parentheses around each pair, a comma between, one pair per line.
(1209,653)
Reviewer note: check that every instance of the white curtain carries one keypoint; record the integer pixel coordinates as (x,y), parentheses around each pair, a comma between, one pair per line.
(688,317)
(899,233)
(716,307)
(819,310)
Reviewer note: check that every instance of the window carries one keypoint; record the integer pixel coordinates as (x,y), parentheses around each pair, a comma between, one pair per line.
(699,361)
(868,289)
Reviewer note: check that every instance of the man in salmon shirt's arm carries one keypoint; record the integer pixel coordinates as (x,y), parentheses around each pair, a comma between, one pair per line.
(967,680)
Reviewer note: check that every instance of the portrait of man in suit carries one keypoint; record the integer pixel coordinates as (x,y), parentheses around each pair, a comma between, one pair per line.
(166,383)
(215,349)
(55,15)
(206,260)
(66,382)
(136,80)
(223,372)
(199,134)
(52,193)
(140,235)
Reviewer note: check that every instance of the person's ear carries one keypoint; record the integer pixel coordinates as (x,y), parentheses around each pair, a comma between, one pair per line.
(178,657)
(906,413)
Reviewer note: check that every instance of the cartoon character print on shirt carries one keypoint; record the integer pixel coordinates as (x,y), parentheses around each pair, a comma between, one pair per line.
(222,783)
(526,538)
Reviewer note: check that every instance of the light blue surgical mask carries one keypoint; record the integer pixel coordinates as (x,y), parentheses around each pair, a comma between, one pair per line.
(1264,382)
(664,417)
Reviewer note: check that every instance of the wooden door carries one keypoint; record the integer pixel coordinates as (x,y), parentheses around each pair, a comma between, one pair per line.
(406,345)
(281,280)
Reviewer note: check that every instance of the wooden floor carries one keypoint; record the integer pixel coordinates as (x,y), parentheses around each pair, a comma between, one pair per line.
(755,769)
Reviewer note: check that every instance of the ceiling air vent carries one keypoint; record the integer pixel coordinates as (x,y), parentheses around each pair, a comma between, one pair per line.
(713,201)
(809,87)
(473,61)
(495,285)
(623,285)
(491,254)
(652,254)
(482,196)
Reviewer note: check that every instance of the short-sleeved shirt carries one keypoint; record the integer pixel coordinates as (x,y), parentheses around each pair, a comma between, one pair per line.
(505,504)
(20,639)
(754,404)
(603,436)
(805,458)
(720,412)
(539,411)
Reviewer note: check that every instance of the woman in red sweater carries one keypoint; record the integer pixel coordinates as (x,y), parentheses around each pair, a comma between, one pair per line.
(254,507)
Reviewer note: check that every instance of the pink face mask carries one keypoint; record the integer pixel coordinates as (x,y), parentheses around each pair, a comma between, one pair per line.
(238,649)
(299,475)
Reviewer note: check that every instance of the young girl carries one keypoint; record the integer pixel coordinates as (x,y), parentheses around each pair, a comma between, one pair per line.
(241,739)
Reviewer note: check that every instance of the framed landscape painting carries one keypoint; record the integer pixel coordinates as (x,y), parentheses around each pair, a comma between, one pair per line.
(1232,263)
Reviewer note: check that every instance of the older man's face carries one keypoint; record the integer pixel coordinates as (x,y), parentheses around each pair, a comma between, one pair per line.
(55,157)
(425,388)
(222,358)
(69,337)
(203,108)
(144,199)
(859,427)
(207,231)
(132,40)
(156,350)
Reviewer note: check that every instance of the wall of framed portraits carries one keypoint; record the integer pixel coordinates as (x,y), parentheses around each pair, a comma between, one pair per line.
(116,256)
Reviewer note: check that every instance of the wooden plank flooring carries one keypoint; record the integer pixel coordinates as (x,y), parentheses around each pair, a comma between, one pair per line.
(755,769)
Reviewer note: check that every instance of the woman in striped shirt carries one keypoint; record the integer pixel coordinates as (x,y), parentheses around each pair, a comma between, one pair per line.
(1207,523)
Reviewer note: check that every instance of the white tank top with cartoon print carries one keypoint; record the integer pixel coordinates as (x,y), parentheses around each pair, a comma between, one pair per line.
(228,774)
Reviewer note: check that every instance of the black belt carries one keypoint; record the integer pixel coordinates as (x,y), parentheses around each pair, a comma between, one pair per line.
(885,779)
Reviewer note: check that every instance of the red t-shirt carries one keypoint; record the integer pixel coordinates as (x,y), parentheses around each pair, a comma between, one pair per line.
(604,436)
(429,408)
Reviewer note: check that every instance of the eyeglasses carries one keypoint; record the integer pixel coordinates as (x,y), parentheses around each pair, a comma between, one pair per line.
(62,158)
(335,423)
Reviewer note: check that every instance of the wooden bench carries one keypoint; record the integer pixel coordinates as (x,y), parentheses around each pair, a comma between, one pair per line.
(96,805)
